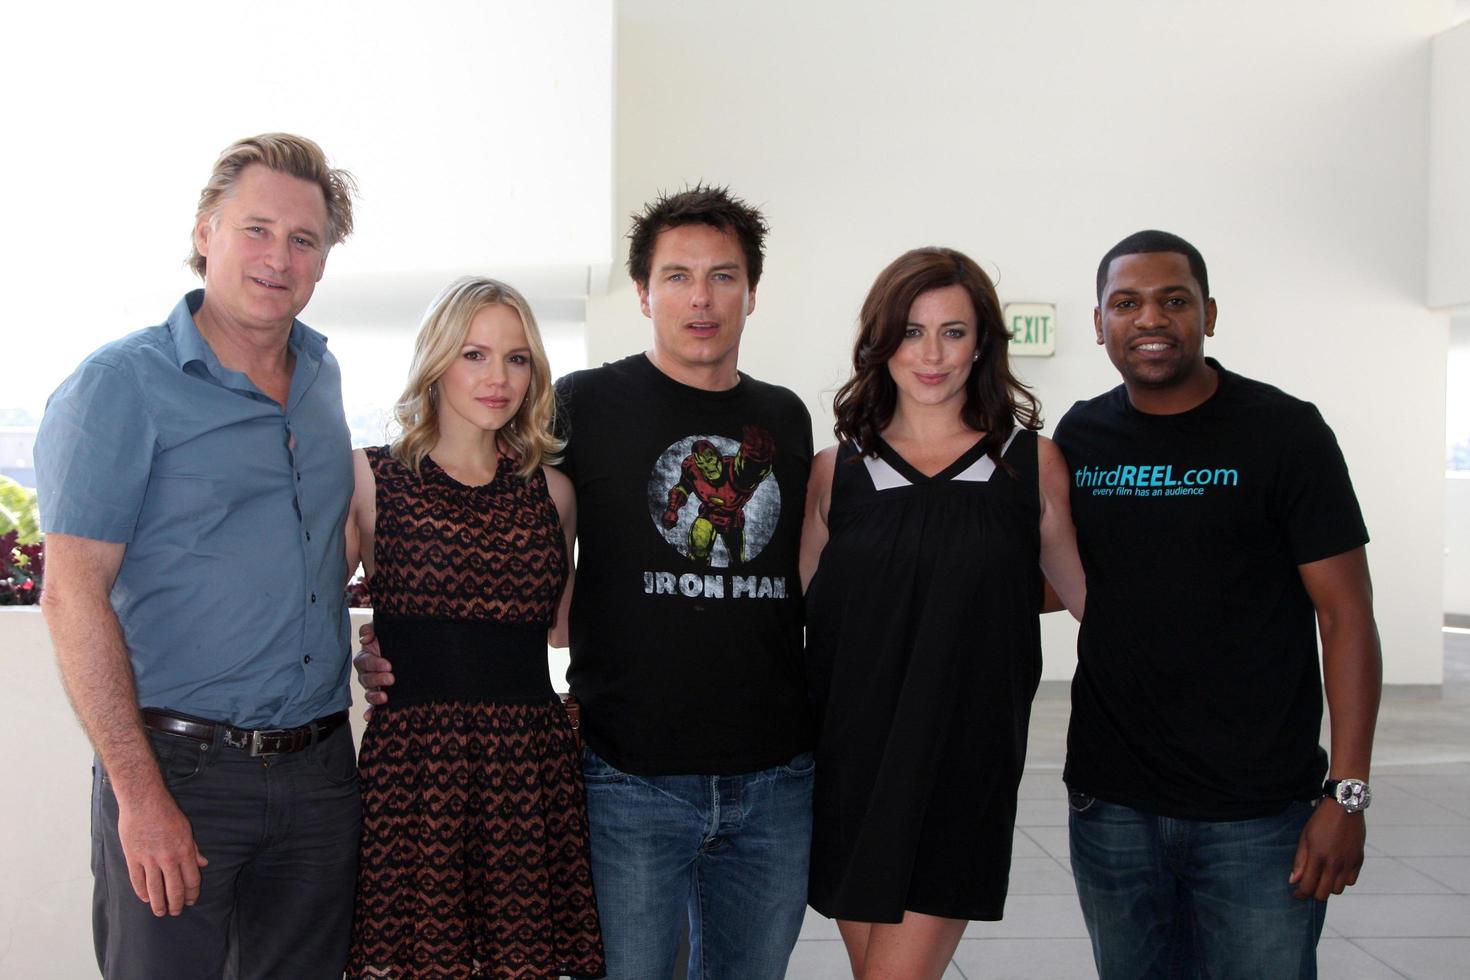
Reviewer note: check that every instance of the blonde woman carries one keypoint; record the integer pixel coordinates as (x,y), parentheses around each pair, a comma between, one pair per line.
(474,849)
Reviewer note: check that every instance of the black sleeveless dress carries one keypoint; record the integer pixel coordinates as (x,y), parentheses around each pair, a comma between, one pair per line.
(474,842)
(924,649)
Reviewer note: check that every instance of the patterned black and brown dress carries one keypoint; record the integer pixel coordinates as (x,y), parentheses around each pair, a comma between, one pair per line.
(474,840)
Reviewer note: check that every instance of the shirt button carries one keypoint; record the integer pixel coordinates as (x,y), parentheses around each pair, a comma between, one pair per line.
(298,477)
(308,535)
(306,659)
(313,597)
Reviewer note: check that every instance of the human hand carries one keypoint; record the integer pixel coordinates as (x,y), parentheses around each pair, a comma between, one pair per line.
(158,845)
(756,445)
(373,670)
(1330,853)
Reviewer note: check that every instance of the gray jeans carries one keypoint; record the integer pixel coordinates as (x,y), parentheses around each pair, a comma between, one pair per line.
(280,833)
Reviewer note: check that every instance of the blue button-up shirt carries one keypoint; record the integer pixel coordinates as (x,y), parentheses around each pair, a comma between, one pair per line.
(230,592)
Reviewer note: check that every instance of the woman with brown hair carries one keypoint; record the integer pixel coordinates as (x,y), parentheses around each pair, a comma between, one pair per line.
(928,530)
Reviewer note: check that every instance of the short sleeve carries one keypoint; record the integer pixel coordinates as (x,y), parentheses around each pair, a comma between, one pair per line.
(1314,498)
(94,452)
(1062,435)
(562,425)
(808,449)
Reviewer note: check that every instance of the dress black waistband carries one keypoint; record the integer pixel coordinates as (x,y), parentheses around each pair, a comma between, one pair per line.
(458,660)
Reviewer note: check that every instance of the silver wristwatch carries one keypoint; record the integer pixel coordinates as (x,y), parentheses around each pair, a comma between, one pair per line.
(1352,794)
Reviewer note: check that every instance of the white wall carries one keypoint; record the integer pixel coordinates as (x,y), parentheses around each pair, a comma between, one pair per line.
(45,881)
(1449,165)
(1457,544)
(1033,137)
(1457,485)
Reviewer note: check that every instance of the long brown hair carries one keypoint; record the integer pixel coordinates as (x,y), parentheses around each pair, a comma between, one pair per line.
(994,400)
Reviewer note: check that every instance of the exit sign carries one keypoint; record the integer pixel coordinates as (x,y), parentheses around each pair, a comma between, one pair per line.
(1033,328)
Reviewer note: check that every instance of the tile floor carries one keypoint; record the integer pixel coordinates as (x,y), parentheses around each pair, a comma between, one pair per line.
(1408,916)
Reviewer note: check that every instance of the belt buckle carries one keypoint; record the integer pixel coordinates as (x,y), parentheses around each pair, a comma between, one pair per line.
(259,738)
(259,741)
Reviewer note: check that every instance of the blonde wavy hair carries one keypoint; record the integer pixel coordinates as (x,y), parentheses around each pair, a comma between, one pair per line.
(528,435)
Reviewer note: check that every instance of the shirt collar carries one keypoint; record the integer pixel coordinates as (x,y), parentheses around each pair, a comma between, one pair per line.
(189,344)
(307,344)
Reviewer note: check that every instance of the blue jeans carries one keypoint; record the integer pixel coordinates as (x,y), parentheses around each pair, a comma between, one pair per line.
(728,852)
(280,833)
(1168,898)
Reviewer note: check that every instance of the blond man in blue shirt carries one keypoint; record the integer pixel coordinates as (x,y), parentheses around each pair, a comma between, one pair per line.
(193,480)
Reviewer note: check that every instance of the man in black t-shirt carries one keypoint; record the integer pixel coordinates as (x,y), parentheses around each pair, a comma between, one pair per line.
(1219,530)
(685,619)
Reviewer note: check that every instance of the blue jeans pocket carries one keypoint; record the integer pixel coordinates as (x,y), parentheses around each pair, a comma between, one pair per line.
(334,758)
(179,759)
(596,770)
(1080,803)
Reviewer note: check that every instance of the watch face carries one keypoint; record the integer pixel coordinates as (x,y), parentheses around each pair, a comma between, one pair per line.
(1353,794)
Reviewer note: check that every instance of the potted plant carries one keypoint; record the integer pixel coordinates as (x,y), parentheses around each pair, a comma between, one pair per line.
(22,553)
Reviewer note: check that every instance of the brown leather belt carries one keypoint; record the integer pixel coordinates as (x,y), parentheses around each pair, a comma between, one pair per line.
(255,741)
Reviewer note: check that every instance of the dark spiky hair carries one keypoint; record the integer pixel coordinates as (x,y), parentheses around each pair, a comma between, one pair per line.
(701,204)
